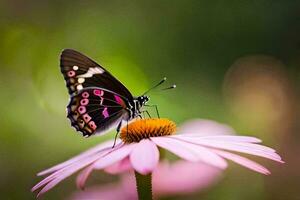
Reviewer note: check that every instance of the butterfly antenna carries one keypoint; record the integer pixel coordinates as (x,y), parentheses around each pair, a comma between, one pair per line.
(171,87)
(158,84)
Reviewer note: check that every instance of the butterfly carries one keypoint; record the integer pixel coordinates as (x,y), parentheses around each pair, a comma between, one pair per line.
(98,101)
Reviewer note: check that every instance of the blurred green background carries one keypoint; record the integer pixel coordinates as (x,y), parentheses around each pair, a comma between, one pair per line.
(235,62)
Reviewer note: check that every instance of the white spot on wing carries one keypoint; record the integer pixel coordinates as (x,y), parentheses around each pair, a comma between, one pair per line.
(81,80)
(79,87)
(91,72)
(75,67)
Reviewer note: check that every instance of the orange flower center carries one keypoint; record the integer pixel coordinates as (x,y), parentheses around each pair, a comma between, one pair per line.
(146,128)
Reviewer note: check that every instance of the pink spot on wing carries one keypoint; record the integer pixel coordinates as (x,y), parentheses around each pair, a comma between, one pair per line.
(120,101)
(92,125)
(105,112)
(71,73)
(84,102)
(98,92)
(81,109)
(86,118)
(85,95)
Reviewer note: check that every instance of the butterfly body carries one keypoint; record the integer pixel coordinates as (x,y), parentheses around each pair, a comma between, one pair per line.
(98,101)
(139,102)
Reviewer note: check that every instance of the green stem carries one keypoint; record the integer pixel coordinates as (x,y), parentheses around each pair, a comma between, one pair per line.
(144,186)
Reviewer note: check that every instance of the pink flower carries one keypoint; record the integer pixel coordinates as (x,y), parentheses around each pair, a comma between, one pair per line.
(180,177)
(138,149)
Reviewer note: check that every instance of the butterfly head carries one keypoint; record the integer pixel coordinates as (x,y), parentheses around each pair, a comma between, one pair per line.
(143,99)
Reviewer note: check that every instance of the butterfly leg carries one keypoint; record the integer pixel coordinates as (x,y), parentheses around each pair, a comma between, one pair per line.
(156,109)
(146,111)
(127,125)
(118,131)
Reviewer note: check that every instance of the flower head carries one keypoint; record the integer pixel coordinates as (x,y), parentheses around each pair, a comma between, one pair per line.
(138,150)
(147,128)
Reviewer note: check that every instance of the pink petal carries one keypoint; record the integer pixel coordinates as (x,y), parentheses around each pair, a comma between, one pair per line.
(144,157)
(244,162)
(119,167)
(114,156)
(191,152)
(253,149)
(96,149)
(67,171)
(61,174)
(183,177)
(83,175)
(202,127)
(58,176)
(229,138)
(49,186)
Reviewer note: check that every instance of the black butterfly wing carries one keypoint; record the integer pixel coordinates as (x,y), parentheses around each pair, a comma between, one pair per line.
(95,110)
(81,72)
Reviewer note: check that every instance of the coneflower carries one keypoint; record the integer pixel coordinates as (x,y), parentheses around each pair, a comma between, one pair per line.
(139,144)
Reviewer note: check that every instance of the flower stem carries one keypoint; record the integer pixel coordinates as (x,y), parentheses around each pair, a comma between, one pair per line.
(144,186)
